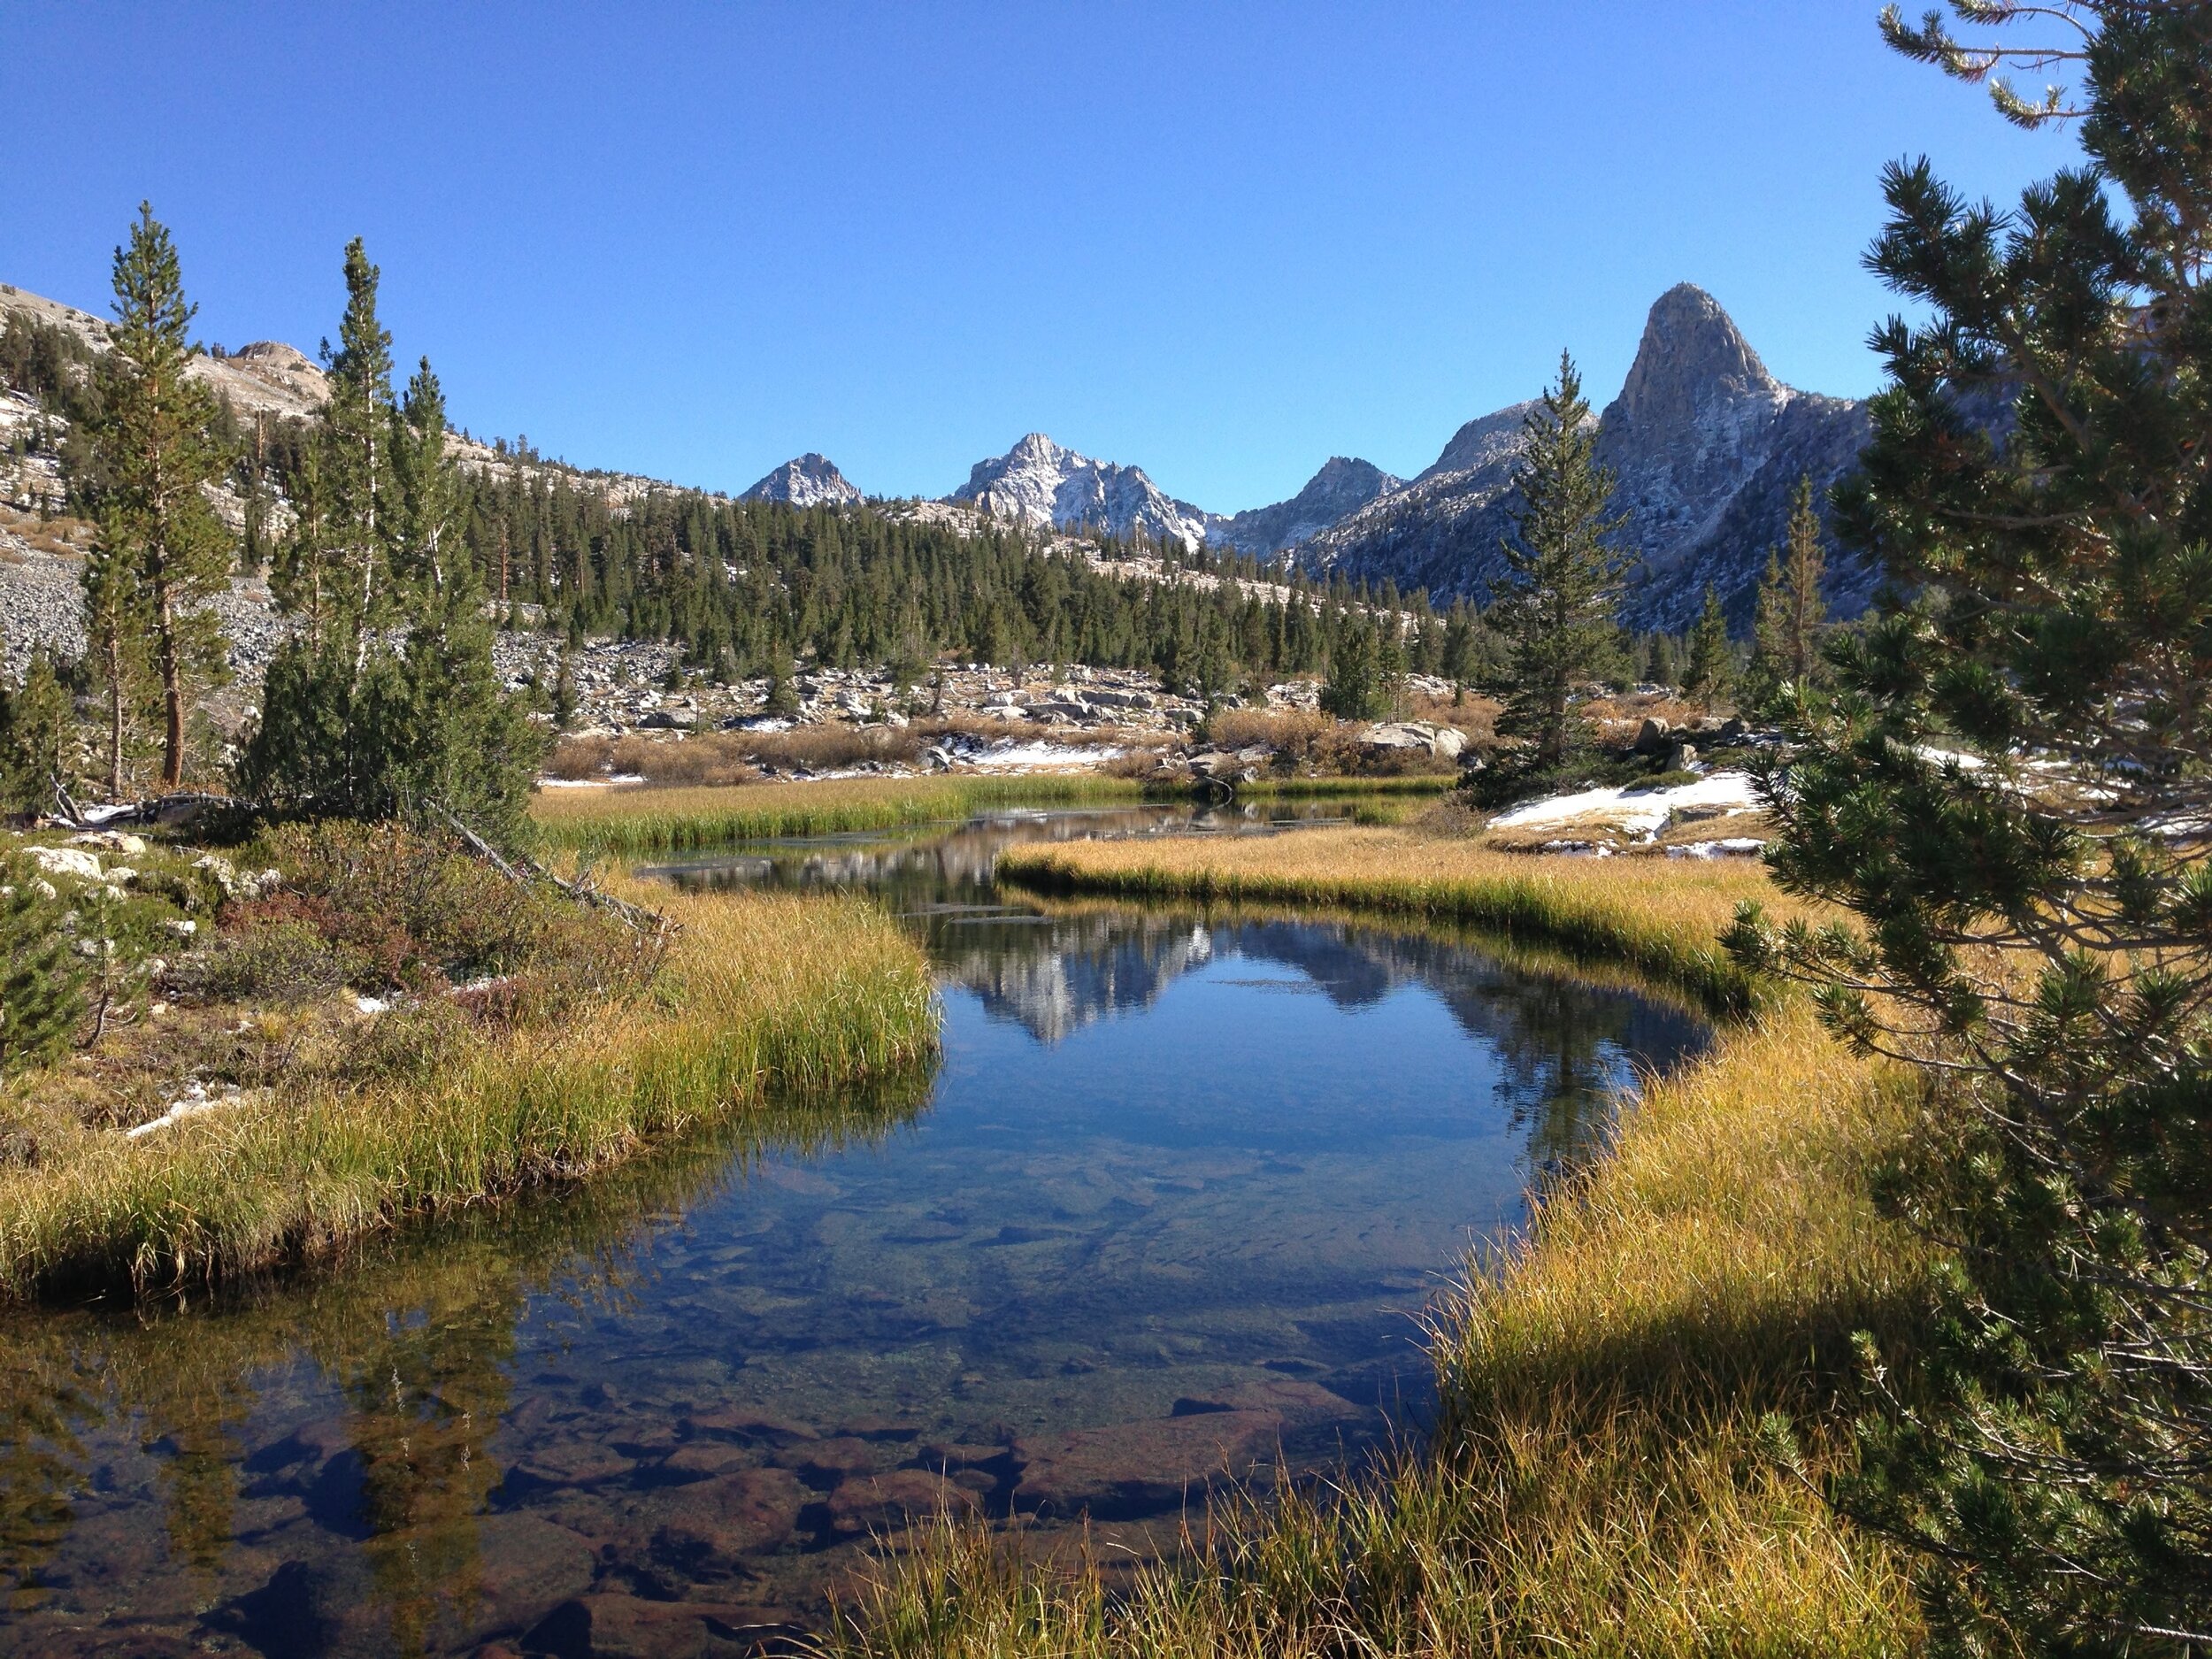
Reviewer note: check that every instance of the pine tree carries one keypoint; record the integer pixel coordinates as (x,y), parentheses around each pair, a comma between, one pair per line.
(1558,606)
(119,629)
(1768,672)
(38,739)
(158,448)
(1804,563)
(2007,791)
(41,996)
(349,724)
(1711,664)
(1789,613)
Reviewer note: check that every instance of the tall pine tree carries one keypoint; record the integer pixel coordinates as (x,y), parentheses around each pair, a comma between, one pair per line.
(1711,665)
(2009,791)
(163,552)
(1560,600)
(386,702)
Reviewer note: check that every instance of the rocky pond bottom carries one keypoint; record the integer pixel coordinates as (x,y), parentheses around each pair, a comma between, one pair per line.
(1167,1212)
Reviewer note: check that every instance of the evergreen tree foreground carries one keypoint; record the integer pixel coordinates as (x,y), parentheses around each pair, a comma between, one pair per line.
(2008,791)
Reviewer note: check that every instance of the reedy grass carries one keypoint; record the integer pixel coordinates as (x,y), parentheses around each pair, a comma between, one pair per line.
(1660,916)
(630,819)
(1604,1475)
(642,820)
(761,992)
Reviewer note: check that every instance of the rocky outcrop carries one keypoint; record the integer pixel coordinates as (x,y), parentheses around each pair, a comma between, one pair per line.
(1341,487)
(807,480)
(1046,486)
(1706,446)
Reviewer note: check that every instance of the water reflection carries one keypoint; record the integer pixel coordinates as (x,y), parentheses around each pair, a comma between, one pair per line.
(1166,1209)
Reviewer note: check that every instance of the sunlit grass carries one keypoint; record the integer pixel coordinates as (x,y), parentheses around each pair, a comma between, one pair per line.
(761,992)
(640,820)
(1660,915)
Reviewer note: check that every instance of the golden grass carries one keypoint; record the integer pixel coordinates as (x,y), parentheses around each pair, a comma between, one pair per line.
(638,820)
(1602,1478)
(762,993)
(1659,916)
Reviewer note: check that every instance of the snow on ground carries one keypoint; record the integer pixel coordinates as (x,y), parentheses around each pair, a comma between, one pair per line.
(1637,811)
(1007,756)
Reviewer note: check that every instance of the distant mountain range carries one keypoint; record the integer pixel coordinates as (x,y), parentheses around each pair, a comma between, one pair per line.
(1706,446)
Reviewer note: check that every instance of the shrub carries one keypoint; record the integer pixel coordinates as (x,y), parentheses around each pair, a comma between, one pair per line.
(277,960)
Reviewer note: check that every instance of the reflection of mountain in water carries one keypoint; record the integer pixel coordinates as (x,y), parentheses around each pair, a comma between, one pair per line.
(1055,976)
(1558,1040)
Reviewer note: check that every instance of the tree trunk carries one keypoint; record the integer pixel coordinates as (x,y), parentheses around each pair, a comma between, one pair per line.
(171,701)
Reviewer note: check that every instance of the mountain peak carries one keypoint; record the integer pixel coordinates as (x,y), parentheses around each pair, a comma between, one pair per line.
(807,480)
(1691,351)
(1047,485)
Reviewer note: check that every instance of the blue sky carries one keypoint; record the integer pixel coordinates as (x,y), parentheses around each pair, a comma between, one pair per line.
(1220,240)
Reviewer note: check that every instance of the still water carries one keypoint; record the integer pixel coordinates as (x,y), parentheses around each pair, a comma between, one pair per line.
(1170,1207)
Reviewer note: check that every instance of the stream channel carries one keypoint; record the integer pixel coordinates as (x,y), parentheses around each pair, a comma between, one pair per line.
(1171,1205)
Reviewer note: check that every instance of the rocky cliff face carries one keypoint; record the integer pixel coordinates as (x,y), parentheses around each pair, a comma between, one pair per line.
(1705,445)
(809,480)
(1042,483)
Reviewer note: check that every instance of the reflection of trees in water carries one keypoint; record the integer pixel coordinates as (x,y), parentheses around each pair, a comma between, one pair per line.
(416,1334)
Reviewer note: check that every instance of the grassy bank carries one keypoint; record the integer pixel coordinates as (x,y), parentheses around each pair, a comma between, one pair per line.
(760,994)
(635,820)
(1659,916)
(1600,1478)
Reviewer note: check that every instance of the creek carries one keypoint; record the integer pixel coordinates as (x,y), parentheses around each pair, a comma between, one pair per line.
(1169,1210)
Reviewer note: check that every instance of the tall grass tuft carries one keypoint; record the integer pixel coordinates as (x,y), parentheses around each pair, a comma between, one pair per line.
(761,992)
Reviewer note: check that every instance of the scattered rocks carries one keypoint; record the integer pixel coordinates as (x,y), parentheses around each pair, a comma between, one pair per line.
(609,1626)
(1130,1469)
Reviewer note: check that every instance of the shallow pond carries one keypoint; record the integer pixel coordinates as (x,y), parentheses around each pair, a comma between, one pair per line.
(1170,1207)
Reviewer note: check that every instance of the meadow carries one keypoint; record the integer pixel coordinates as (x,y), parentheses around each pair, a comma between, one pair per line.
(759,996)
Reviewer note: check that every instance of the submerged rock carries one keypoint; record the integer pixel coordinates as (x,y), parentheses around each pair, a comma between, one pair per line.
(709,1525)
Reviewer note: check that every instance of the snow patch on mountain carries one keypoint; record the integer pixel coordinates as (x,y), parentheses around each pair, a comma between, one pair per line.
(1048,485)
(806,480)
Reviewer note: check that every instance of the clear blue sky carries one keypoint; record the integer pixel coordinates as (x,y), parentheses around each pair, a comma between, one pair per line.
(1223,242)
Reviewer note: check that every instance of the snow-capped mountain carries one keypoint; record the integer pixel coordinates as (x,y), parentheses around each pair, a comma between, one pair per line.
(806,480)
(1706,446)
(1044,484)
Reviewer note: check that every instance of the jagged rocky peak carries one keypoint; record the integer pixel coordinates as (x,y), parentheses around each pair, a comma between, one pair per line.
(1047,485)
(1691,353)
(806,480)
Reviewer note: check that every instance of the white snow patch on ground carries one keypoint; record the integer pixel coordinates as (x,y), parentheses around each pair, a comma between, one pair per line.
(1728,847)
(1007,756)
(591,783)
(1638,811)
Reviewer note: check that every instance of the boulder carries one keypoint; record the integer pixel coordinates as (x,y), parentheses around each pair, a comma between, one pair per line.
(65,861)
(669,720)
(1652,737)
(110,842)
(1733,730)
(711,1525)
